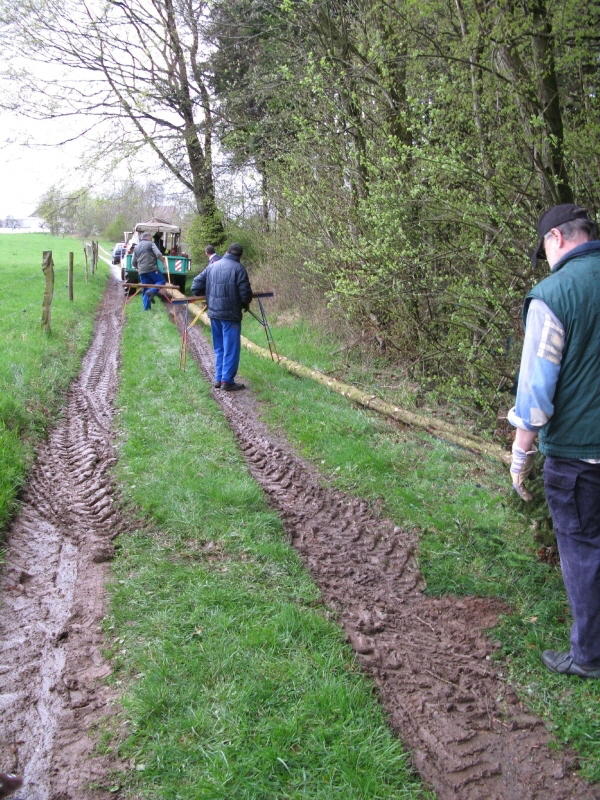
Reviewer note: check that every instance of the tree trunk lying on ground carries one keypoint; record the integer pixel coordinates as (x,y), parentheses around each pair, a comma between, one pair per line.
(438,428)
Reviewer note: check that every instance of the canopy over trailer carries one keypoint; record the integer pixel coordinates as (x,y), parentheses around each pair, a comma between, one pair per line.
(167,237)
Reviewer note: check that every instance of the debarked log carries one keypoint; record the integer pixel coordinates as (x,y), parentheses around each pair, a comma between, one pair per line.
(438,428)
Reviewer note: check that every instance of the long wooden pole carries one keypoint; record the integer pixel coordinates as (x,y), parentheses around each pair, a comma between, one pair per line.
(438,428)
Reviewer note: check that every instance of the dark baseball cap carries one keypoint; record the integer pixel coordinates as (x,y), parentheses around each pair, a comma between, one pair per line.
(552,218)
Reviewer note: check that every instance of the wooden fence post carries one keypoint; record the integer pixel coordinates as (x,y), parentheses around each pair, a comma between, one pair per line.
(85,255)
(94,256)
(70,280)
(48,269)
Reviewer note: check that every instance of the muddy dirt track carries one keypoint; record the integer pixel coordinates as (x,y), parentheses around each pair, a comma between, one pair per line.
(470,737)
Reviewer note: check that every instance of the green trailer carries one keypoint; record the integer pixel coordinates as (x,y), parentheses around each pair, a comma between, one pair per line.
(168,238)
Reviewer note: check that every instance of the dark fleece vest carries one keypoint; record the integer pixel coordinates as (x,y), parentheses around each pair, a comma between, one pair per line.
(573,294)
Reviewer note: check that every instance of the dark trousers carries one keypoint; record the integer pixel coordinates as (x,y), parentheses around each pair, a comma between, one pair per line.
(227,345)
(573,493)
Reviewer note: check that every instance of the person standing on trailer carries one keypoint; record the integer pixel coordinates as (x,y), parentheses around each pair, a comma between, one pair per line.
(158,241)
(144,259)
(226,286)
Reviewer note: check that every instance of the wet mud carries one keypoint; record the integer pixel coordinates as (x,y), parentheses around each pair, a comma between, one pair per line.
(430,658)
(52,589)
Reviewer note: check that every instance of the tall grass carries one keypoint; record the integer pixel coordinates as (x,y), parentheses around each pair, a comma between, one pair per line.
(36,368)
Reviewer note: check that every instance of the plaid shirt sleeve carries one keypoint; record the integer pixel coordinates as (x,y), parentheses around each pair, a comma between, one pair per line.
(540,368)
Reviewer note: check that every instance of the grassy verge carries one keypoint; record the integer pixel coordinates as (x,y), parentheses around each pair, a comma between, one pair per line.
(36,368)
(474,536)
(236,682)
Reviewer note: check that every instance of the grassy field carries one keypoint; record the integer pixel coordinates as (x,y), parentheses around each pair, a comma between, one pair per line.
(36,368)
(221,644)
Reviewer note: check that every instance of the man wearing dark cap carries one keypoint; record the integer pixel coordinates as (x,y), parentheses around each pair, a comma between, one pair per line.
(559,397)
(226,285)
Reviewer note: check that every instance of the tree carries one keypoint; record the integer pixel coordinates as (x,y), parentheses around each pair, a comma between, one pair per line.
(407,150)
(114,231)
(51,209)
(134,72)
(67,212)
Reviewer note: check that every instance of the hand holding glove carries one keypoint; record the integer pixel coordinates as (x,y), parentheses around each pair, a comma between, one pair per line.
(520,469)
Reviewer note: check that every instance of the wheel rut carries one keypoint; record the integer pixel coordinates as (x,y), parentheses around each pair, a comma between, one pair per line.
(52,584)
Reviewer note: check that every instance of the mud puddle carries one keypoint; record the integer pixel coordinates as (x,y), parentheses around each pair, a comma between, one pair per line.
(470,737)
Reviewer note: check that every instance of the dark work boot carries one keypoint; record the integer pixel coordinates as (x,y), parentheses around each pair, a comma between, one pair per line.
(9,783)
(563,664)
(232,387)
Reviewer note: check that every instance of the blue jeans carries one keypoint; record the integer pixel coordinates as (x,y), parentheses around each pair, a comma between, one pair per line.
(227,345)
(573,493)
(157,278)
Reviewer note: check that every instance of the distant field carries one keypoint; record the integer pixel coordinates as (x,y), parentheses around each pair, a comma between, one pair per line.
(36,368)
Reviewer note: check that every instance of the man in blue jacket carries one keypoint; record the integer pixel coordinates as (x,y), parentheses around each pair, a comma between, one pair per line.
(227,289)
(559,396)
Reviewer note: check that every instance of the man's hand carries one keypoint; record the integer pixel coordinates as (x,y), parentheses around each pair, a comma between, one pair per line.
(520,469)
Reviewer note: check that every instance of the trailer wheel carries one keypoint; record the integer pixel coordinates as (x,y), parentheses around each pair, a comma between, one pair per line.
(126,289)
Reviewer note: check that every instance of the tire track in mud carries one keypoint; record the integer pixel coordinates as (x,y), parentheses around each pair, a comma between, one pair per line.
(470,737)
(52,584)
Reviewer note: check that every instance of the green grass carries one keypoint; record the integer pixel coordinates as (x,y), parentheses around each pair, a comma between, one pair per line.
(36,368)
(237,684)
(475,537)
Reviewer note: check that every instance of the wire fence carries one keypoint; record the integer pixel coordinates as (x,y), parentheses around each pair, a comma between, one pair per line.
(90,257)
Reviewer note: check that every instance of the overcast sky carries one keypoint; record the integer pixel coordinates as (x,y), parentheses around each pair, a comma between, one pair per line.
(31,162)
(28,171)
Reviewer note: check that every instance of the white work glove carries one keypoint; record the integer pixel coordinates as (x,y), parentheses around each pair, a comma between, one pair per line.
(520,469)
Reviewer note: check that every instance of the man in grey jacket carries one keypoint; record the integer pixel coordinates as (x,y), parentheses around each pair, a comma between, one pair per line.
(145,258)
(227,289)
